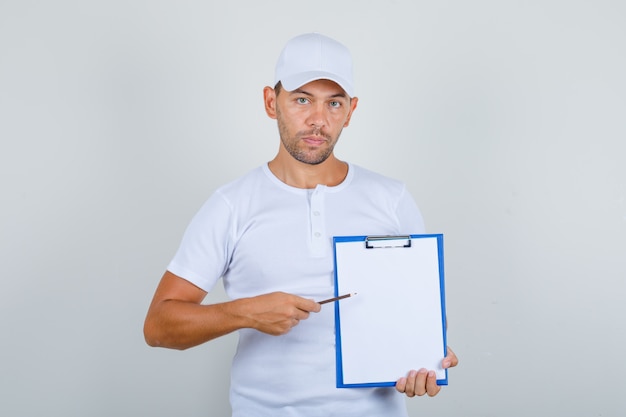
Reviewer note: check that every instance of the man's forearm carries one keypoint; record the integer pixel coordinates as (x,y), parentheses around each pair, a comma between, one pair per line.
(179,324)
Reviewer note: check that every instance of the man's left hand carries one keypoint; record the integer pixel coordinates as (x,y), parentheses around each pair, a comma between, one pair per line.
(424,381)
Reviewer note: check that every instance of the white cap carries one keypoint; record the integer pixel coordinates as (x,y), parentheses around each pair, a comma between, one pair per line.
(311,57)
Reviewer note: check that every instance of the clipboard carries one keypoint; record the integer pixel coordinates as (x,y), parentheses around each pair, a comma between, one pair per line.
(396,321)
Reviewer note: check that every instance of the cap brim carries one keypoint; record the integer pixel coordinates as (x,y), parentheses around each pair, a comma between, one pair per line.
(296,81)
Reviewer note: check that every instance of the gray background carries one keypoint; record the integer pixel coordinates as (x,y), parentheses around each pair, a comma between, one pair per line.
(505,119)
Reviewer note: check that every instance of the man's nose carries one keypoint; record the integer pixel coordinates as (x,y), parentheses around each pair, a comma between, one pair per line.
(317,117)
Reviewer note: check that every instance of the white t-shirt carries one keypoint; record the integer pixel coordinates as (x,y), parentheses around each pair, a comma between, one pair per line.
(262,235)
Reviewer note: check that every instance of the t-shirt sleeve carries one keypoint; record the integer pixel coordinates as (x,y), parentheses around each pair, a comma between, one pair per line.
(409,216)
(204,253)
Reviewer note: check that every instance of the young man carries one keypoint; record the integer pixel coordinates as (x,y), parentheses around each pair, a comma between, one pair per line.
(269,235)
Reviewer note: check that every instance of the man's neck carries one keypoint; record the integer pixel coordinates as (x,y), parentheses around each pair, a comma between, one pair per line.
(298,174)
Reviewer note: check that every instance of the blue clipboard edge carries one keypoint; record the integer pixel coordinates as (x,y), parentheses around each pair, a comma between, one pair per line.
(338,356)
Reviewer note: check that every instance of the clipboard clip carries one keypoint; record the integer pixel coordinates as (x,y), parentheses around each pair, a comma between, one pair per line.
(389,241)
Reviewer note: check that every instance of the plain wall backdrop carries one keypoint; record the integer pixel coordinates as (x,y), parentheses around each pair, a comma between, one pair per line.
(506,119)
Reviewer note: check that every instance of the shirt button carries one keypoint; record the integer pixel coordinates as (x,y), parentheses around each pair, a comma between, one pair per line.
(317,234)
(316,213)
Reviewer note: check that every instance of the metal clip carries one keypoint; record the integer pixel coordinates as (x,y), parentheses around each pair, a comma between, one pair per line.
(372,242)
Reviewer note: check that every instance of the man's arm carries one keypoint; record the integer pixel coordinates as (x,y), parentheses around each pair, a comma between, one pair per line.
(177,320)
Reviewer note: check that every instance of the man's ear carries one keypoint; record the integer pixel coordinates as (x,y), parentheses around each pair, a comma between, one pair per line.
(269,98)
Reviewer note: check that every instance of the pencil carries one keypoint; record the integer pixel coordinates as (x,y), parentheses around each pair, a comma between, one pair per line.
(341,297)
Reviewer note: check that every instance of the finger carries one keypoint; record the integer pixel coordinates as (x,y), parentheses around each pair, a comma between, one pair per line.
(307,305)
(410,384)
(432,388)
(301,315)
(420,382)
(450,360)
(401,385)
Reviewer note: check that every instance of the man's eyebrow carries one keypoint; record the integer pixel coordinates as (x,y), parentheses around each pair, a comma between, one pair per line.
(306,93)
(301,91)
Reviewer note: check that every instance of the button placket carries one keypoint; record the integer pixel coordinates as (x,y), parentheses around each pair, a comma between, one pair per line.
(318,224)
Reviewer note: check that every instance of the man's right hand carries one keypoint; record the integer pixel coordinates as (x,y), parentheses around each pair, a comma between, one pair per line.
(276,313)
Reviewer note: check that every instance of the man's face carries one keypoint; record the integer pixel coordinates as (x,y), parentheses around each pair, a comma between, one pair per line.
(311,118)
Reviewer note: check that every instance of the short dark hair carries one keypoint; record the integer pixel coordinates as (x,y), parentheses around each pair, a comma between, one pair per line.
(278,87)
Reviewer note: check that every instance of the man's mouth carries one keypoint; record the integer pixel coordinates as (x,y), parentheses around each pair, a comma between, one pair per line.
(314,140)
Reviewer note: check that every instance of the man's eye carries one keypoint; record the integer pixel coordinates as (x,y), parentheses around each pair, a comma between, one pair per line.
(302,100)
(335,104)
